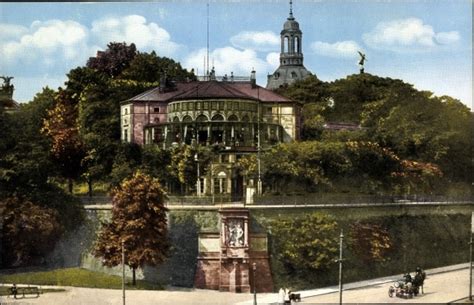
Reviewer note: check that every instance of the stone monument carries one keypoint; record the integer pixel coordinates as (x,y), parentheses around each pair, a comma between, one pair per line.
(225,259)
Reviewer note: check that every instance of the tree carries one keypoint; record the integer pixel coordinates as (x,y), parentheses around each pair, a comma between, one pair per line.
(114,60)
(139,221)
(25,162)
(148,67)
(29,231)
(370,242)
(305,243)
(67,147)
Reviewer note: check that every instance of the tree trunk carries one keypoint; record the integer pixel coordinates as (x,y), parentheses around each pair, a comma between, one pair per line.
(134,281)
(69,184)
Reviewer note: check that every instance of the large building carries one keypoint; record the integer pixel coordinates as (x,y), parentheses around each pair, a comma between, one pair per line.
(231,113)
(239,117)
(291,66)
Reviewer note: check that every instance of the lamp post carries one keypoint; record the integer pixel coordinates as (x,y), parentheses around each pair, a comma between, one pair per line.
(341,238)
(198,181)
(123,273)
(254,269)
(259,181)
(470,258)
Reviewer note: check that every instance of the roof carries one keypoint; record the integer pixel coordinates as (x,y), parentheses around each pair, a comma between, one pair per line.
(210,90)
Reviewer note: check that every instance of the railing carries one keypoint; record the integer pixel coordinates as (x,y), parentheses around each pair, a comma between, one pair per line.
(290,199)
(330,198)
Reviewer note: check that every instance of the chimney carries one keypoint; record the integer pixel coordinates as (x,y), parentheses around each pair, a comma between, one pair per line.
(163,81)
(253,79)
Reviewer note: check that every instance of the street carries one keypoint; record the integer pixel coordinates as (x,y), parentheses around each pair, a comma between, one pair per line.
(441,286)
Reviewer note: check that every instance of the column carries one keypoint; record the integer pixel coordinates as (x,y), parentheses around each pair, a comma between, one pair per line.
(246,232)
(233,278)
(223,232)
(208,141)
(165,137)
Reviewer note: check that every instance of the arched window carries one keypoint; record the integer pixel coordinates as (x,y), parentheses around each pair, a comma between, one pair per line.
(187,118)
(232,117)
(245,118)
(286,44)
(297,45)
(202,118)
(218,117)
(175,119)
(220,183)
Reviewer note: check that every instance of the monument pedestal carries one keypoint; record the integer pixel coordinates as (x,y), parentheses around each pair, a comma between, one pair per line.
(225,258)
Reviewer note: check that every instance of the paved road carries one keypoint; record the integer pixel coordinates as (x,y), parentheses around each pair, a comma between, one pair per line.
(91,296)
(441,286)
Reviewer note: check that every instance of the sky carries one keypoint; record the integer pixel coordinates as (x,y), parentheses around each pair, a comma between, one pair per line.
(425,43)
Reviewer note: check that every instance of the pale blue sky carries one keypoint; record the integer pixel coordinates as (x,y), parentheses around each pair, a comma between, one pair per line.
(426,43)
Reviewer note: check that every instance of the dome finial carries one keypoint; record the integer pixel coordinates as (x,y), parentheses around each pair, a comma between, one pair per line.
(291,10)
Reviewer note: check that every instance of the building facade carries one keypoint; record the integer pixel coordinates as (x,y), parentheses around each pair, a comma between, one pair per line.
(291,66)
(238,117)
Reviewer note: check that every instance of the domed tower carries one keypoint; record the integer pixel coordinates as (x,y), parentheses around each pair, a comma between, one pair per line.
(291,66)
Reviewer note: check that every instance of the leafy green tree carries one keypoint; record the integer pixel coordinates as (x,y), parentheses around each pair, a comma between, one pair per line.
(25,163)
(114,60)
(148,67)
(183,167)
(155,162)
(139,222)
(305,243)
(309,90)
(67,147)
(29,231)
(127,160)
(370,242)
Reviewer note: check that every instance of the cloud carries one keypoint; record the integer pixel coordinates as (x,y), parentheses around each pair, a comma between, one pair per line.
(273,59)
(447,37)
(9,31)
(407,35)
(134,29)
(259,41)
(340,49)
(45,43)
(226,60)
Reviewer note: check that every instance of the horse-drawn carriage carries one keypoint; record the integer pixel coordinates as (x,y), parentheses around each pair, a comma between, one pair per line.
(408,287)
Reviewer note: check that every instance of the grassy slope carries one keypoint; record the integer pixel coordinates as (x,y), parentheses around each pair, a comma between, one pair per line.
(74,277)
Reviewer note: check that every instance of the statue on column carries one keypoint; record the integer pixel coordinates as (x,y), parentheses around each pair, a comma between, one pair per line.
(361,61)
(7,88)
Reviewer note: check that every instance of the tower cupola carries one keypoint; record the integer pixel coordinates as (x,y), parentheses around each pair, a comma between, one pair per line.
(291,55)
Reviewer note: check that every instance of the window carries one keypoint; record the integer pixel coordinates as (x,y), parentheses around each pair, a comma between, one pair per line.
(156,120)
(125,135)
(156,109)
(220,183)
(206,106)
(126,111)
(213,105)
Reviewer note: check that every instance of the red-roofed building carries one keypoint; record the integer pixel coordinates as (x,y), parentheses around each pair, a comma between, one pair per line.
(230,114)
